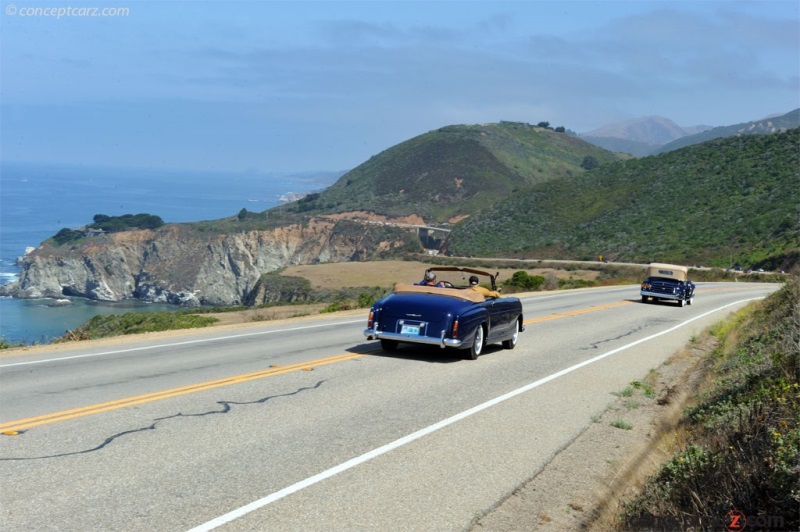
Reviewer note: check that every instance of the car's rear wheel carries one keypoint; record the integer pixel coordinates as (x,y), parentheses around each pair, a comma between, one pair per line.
(644,299)
(681,302)
(388,345)
(477,344)
(511,343)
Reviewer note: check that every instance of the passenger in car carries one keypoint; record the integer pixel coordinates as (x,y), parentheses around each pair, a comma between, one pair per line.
(473,284)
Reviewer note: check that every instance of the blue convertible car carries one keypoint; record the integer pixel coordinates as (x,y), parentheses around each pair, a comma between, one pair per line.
(454,312)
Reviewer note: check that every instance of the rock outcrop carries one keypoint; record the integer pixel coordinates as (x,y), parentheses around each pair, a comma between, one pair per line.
(182,265)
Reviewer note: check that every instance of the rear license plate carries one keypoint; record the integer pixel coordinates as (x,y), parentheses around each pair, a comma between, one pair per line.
(410,329)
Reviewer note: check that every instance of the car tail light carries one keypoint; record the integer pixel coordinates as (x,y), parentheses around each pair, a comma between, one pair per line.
(371,319)
(646,286)
(455,329)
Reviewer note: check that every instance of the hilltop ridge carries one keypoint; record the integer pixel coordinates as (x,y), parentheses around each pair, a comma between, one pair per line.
(456,170)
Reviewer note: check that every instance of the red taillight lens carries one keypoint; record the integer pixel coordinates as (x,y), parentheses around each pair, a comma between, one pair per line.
(455,329)
(371,319)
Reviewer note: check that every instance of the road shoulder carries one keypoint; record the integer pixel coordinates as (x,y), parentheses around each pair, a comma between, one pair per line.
(585,485)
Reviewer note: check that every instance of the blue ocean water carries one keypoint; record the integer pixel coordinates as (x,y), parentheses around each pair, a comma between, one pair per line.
(36,201)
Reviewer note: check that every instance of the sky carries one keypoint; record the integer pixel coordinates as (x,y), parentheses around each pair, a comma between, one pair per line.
(291,86)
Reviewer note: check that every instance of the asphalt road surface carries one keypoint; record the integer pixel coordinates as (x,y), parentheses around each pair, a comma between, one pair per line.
(305,425)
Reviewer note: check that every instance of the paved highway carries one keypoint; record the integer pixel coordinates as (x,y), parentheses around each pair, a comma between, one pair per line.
(305,425)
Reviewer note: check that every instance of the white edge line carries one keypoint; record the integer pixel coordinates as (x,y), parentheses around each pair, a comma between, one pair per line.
(187,342)
(353,462)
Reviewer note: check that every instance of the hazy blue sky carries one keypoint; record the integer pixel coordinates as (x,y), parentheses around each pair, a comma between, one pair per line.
(293,86)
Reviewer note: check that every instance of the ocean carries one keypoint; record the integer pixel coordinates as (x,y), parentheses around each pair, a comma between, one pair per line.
(36,201)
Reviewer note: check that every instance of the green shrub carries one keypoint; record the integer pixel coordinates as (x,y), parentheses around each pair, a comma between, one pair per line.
(4,344)
(621,424)
(566,284)
(67,235)
(113,224)
(136,322)
(522,281)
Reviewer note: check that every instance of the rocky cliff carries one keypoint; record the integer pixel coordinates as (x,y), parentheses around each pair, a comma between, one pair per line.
(179,264)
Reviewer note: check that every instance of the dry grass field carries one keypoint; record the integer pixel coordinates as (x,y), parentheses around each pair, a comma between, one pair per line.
(387,273)
(367,274)
(384,275)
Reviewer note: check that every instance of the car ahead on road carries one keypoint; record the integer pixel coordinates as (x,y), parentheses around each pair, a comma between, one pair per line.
(452,314)
(667,282)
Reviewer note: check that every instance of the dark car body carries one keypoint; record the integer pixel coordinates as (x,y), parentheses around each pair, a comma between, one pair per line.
(450,316)
(667,282)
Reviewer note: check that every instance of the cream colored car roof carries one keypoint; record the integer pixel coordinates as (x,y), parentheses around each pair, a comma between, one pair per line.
(670,271)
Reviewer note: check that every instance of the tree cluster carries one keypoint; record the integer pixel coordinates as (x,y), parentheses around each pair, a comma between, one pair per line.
(112,224)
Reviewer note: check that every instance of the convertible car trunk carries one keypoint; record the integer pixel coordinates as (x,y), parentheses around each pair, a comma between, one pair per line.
(420,308)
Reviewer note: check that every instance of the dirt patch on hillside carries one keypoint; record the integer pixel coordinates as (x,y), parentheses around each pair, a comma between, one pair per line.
(585,486)
(363,216)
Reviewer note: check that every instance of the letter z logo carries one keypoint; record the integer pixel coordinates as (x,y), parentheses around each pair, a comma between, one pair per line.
(735,521)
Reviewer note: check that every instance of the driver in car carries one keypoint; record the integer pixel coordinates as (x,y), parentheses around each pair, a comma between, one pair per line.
(430,280)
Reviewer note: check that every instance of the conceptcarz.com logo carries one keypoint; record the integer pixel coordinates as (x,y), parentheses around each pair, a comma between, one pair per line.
(736,521)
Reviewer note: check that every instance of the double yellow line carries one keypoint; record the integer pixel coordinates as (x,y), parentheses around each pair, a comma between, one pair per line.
(11,427)
(14,427)
(576,312)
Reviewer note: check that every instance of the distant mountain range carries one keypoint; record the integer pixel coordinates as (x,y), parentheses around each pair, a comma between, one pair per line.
(655,134)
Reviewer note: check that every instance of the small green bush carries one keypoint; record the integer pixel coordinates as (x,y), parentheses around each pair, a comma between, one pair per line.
(621,424)
(67,235)
(4,344)
(135,323)
(522,281)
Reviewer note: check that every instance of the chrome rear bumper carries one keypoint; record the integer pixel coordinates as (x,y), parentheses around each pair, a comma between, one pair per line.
(374,334)
(660,295)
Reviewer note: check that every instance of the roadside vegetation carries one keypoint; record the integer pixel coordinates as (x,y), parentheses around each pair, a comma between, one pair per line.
(135,323)
(4,344)
(741,438)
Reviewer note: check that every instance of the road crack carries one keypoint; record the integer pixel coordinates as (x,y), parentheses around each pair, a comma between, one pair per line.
(596,345)
(226,407)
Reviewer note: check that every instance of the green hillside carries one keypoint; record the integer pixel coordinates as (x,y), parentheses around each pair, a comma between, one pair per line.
(767,126)
(455,170)
(732,200)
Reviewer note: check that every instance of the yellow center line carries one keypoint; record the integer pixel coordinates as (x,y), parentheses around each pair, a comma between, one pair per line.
(575,312)
(22,424)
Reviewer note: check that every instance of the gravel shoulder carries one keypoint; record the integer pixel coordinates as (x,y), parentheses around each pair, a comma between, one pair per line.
(584,487)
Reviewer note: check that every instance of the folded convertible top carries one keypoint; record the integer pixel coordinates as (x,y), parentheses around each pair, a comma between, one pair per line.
(461,293)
